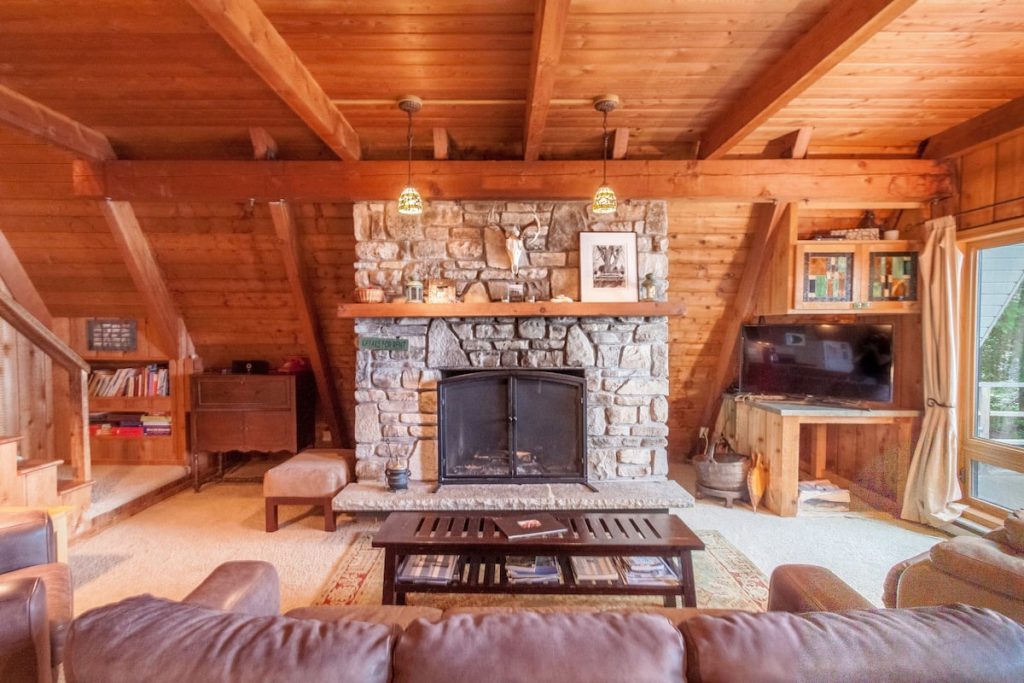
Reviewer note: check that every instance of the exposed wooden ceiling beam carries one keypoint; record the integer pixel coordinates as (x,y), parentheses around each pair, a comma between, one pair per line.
(145,272)
(48,342)
(548,35)
(790,146)
(20,285)
(985,128)
(620,144)
(847,25)
(905,182)
(309,322)
(440,143)
(39,121)
(242,24)
(264,146)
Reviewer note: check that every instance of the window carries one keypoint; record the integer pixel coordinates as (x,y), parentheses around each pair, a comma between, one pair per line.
(992,451)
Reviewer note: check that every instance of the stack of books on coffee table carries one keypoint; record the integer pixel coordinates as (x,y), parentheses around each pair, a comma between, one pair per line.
(647,571)
(532,570)
(594,569)
(432,569)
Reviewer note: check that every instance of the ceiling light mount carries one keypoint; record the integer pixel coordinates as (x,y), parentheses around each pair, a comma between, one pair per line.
(410,104)
(607,103)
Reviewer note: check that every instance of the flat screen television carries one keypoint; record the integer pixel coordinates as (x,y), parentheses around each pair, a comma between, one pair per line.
(846,362)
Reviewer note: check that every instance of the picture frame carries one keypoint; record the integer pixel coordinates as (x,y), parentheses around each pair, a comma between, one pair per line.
(608,266)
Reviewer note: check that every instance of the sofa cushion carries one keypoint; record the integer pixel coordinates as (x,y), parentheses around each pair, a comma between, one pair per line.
(56,576)
(151,639)
(398,615)
(676,615)
(984,562)
(528,647)
(949,643)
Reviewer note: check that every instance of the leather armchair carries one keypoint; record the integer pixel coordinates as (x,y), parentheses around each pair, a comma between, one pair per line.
(35,599)
(984,572)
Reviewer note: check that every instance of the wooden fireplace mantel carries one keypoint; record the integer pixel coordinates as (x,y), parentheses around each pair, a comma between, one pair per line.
(497,309)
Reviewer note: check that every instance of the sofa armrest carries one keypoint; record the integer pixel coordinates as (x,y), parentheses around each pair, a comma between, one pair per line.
(983,562)
(24,632)
(247,587)
(808,588)
(26,539)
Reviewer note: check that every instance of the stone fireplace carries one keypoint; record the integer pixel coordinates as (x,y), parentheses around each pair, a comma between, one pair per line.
(620,364)
(512,426)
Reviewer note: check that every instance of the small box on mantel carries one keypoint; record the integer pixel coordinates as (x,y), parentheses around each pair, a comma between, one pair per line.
(250,367)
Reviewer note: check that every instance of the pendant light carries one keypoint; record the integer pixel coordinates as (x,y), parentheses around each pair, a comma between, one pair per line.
(604,199)
(409,202)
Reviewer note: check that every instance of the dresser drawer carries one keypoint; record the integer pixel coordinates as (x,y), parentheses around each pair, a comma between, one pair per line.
(244,392)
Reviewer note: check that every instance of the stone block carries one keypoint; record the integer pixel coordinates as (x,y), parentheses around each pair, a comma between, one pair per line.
(387,378)
(370,470)
(367,426)
(477,345)
(636,401)
(370,395)
(567,221)
(622,415)
(436,232)
(618,430)
(464,233)
(428,402)
(634,456)
(659,360)
(541,359)
(579,352)
(642,386)
(636,358)
(376,251)
(398,406)
(611,337)
(565,282)
(395,431)
(656,220)
(423,431)
(659,462)
(557,331)
(593,326)
(465,249)
(442,213)
(512,345)
(532,328)
(403,395)
(476,293)
(659,409)
(649,429)
(399,227)
(547,259)
(428,249)
(443,348)
(423,461)
(503,331)
(485,359)
(608,355)
(419,419)
(601,399)
(627,471)
(595,421)
(547,344)
(648,262)
(509,359)
(602,463)
(463,330)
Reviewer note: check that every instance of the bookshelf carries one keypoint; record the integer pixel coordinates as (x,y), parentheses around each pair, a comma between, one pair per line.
(125,386)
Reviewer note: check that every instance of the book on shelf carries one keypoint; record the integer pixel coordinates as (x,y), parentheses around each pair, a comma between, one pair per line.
(147,380)
(432,569)
(647,571)
(820,496)
(588,569)
(517,527)
(129,424)
(524,570)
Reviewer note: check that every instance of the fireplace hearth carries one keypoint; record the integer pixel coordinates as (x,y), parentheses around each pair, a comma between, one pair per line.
(512,426)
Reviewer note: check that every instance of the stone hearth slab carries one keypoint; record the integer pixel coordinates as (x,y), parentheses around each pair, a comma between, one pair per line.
(614,495)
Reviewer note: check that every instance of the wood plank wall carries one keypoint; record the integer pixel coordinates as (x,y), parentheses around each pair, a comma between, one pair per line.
(26,399)
(989,174)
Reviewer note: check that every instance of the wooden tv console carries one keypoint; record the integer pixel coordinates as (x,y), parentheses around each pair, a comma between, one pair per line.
(773,428)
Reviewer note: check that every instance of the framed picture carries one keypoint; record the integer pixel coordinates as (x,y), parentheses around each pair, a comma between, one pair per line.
(608,266)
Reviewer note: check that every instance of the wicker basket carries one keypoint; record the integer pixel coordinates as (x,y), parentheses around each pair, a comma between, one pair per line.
(370,295)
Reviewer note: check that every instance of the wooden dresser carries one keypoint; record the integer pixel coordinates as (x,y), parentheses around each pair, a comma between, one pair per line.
(264,413)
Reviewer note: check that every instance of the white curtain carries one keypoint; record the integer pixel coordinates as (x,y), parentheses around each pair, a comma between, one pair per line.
(932,484)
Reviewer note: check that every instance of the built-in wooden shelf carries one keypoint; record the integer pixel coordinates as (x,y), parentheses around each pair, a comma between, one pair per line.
(539,309)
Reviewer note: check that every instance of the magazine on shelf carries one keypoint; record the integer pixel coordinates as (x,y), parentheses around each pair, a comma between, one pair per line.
(647,571)
(533,570)
(820,496)
(433,569)
(529,526)
(588,569)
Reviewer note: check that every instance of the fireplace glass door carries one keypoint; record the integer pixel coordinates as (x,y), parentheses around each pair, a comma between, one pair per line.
(512,425)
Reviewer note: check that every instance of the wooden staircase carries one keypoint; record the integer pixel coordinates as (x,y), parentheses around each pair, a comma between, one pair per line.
(36,483)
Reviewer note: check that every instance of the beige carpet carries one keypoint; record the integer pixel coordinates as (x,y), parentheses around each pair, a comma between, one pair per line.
(725,579)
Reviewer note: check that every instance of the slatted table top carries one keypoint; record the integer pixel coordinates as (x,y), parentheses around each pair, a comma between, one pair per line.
(588,533)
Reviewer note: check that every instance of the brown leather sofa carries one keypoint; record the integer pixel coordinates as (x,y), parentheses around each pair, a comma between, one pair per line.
(817,629)
(35,598)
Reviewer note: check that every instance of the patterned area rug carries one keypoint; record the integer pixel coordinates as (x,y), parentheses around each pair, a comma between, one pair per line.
(726,579)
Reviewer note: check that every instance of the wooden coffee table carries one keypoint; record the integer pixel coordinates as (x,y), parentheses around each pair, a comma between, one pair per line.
(482,549)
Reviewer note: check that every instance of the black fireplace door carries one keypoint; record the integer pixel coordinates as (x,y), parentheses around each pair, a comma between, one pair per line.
(512,425)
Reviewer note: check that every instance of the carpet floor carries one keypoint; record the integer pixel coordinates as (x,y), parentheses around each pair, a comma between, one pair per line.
(725,579)
(167,549)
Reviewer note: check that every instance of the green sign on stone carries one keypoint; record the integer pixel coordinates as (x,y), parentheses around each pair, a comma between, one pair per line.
(383,344)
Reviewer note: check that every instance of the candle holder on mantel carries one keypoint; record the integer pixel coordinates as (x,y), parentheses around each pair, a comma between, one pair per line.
(396,471)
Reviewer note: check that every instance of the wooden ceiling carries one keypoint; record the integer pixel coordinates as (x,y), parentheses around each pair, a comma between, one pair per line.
(185,79)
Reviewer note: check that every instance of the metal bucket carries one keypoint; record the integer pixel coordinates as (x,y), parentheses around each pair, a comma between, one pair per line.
(723,472)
